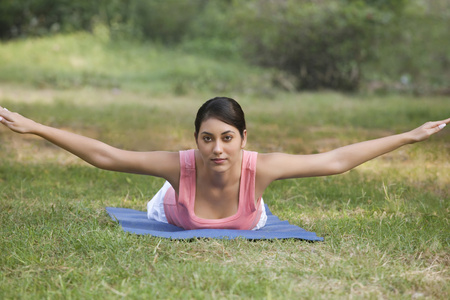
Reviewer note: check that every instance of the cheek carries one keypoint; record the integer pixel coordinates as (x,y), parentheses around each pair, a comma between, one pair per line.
(204,148)
(235,147)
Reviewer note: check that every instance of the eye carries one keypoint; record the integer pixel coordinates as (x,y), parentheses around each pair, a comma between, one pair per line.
(207,138)
(227,138)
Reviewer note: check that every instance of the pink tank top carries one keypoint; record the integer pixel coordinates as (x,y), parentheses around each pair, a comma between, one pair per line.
(179,209)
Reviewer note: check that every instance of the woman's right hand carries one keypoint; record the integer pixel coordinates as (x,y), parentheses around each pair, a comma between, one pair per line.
(16,122)
(156,163)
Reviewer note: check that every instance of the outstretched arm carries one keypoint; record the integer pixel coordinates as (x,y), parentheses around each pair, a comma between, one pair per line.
(279,166)
(99,154)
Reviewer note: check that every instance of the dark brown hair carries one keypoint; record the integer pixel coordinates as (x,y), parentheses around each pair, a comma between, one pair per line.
(224,109)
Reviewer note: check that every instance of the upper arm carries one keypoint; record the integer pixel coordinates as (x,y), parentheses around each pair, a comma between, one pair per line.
(156,163)
(274,166)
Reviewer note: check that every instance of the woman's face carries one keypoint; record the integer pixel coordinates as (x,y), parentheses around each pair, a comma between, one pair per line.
(220,144)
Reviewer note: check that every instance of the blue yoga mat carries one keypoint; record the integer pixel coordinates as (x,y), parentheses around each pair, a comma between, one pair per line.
(135,221)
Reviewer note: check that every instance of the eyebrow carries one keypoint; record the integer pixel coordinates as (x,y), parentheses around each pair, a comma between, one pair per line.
(225,132)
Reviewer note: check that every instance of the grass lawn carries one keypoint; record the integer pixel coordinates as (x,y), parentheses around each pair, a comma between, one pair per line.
(385,223)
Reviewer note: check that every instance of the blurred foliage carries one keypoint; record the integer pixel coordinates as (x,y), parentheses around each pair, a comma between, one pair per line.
(166,21)
(337,44)
(322,45)
(40,17)
(412,54)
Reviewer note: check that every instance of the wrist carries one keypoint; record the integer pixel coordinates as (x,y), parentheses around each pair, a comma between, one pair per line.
(37,128)
(408,138)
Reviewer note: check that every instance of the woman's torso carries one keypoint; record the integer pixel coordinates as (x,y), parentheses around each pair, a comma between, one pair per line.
(197,204)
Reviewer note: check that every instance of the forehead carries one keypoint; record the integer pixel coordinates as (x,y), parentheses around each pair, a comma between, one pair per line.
(214,125)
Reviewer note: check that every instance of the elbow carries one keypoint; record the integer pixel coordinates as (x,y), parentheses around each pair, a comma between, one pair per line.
(108,163)
(102,160)
(337,167)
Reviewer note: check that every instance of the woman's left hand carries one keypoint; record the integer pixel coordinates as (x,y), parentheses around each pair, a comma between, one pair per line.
(426,130)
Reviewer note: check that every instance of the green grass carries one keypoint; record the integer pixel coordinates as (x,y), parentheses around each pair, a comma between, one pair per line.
(385,223)
(83,59)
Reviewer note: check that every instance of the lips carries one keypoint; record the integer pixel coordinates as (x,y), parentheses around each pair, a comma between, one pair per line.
(218,160)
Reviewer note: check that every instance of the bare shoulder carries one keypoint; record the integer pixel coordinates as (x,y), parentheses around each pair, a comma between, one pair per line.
(267,167)
(270,166)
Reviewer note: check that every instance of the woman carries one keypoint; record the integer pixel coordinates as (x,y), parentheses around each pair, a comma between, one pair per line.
(219,184)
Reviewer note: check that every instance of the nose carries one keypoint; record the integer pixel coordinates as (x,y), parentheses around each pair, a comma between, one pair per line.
(217,148)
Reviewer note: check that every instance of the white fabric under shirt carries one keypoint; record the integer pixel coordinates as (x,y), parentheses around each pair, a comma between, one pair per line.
(155,208)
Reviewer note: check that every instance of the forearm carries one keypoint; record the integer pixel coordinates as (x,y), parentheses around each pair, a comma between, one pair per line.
(92,151)
(348,157)
(156,163)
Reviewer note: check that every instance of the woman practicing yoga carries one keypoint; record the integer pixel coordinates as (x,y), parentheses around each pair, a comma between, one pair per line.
(219,184)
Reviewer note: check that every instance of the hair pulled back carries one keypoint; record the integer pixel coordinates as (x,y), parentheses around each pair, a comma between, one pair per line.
(224,109)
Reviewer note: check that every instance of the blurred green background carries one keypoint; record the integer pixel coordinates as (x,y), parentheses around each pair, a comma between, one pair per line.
(347,45)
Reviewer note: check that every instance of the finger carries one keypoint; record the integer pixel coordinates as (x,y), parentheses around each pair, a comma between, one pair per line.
(2,116)
(4,121)
(441,124)
(6,114)
(3,111)
(433,124)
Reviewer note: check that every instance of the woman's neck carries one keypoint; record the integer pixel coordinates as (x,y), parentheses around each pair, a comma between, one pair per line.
(219,180)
